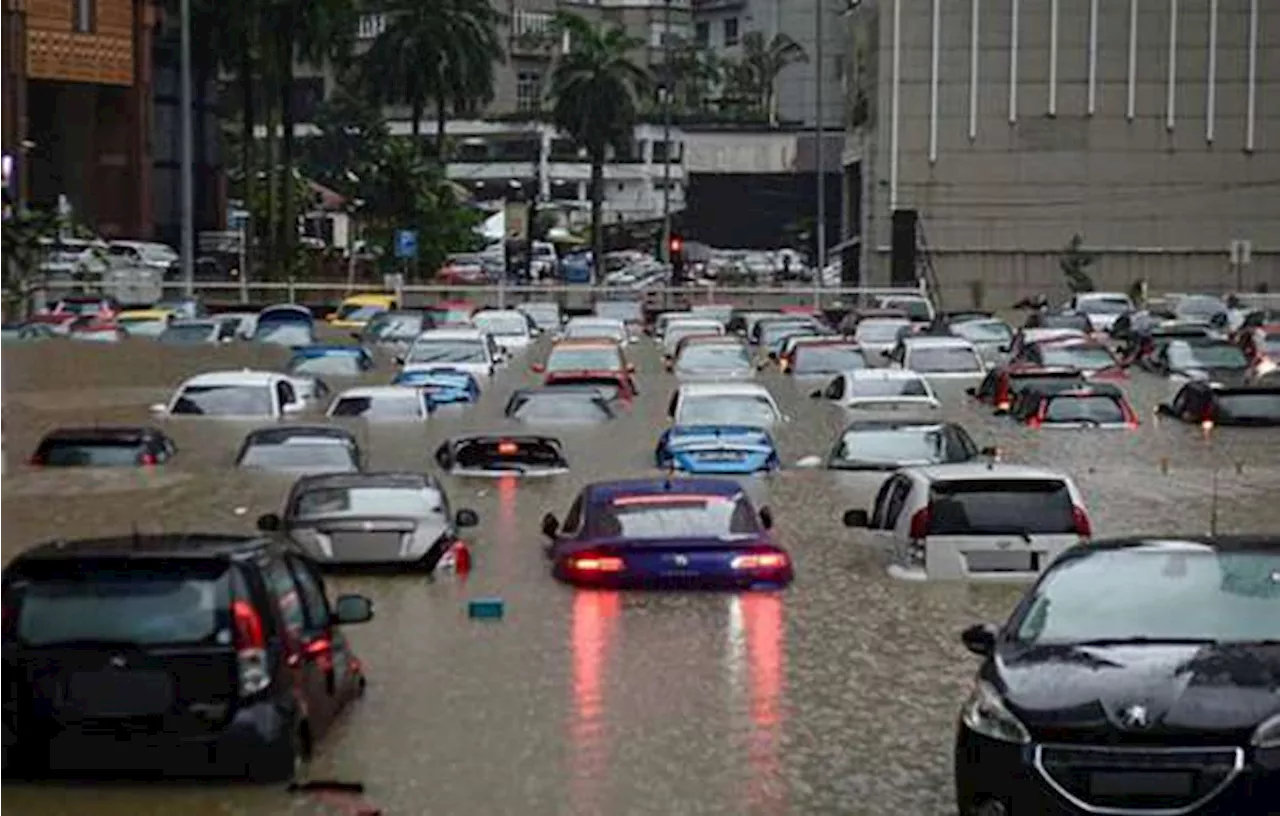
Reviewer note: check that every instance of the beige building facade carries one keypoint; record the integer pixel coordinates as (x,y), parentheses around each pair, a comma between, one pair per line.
(1151,128)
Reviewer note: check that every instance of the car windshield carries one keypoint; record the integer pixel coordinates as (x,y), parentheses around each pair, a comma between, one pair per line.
(447,351)
(581,328)
(224,400)
(943,359)
(450,314)
(774,332)
(1065,320)
(727,409)
(714,357)
(285,334)
(90,453)
(79,307)
(121,605)
(360,312)
(598,358)
(684,328)
(1001,506)
(1199,307)
(1246,406)
(323,455)
(827,359)
(871,389)
(338,365)
(1082,356)
(1188,594)
(607,386)
(1103,305)
(559,407)
(983,331)
(879,331)
(915,308)
(1099,408)
(911,445)
(502,324)
(384,406)
(544,315)
(330,502)
(389,326)
(673,516)
(1185,356)
(189,335)
(144,326)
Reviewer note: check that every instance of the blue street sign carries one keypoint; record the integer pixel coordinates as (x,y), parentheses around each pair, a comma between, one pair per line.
(406,244)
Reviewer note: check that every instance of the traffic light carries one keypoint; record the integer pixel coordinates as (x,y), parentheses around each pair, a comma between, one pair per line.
(676,253)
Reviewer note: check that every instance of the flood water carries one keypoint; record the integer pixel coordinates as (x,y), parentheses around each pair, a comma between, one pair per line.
(838,695)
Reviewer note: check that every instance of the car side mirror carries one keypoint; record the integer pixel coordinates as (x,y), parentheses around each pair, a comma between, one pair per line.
(809,462)
(550,526)
(159,408)
(766,518)
(857,518)
(991,451)
(979,639)
(1165,410)
(466,518)
(350,609)
(269,523)
(1006,349)
(399,359)
(888,355)
(444,457)
(816,394)
(538,368)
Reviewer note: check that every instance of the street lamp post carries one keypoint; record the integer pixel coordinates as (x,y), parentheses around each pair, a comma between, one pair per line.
(820,228)
(666,133)
(188,214)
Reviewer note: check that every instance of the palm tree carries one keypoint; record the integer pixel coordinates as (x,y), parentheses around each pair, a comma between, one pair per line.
(442,51)
(596,90)
(763,62)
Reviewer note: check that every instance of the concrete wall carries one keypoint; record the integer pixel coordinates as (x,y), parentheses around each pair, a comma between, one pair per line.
(1160,193)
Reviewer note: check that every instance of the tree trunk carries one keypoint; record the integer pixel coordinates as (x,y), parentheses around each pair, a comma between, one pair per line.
(288,216)
(267,228)
(441,119)
(416,126)
(247,164)
(597,214)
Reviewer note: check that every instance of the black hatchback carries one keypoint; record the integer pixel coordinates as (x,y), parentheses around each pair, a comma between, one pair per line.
(1138,676)
(173,654)
(104,446)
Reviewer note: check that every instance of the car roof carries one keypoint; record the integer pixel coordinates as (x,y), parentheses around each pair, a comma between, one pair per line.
(587,342)
(279,434)
(327,349)
(1093,389)
(203,322)
(883,374)
(881,424)
(558,391)
(246,376)
(1174,544)
(401,479)
(370,391)
(601,492)
(453,333)
(164,545)
(936,341)
(724,389)
(481,439)
(964,471)
(154,314)
(112,432)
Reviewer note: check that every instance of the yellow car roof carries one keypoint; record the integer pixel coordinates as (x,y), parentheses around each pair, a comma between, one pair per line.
(144,314)
(370,299)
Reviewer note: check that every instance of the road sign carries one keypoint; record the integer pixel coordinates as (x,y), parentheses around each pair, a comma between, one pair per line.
(1241,252)
(406,244)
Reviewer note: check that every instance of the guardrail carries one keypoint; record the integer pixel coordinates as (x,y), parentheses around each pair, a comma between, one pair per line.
(230,294)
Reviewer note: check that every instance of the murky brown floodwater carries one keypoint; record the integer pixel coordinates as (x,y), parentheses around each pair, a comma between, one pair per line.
(836,696)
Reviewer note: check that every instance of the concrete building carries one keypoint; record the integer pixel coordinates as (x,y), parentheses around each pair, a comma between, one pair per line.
(1148,127)
(91,113)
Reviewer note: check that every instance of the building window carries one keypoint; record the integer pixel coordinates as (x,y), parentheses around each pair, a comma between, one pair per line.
(83,15)
(370,26)
(528,90)
(731,31)
(702,34)
(530,22)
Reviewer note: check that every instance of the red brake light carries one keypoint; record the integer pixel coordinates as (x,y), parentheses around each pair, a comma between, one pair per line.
(920,523)
(248,627)
(596,563)
(147,459)
(36,459)
(760,561)
(1084,527)
(508,448)
(457,558)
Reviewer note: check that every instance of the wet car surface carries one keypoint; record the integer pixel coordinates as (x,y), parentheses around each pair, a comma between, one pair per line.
(838,695)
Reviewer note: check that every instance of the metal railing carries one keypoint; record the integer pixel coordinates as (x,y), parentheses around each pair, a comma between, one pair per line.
(261,293)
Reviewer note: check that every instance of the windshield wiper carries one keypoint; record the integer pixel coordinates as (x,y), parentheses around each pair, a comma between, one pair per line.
(1145,640)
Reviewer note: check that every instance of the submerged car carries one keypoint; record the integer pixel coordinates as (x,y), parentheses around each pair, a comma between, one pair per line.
(300,449)
(879,389)
(245,394)
(199,332)
(563,404)
(487,456)
(666,534)
(1138,676)
(104,446)
(717,449)
(374,518)
(445,386)
(465,349)
(1095,406)
(330,361)
(173,654)
(724,403)
(1201,402)
(383,403)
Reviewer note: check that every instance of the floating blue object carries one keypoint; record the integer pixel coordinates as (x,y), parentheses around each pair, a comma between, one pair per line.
(485,608)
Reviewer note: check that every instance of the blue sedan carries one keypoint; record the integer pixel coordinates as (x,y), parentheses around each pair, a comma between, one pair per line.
(444,386)
(666,534)
(710,449)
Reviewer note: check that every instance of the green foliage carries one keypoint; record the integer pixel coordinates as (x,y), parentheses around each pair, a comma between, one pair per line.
(753,80)
(26,235)
(1075,263)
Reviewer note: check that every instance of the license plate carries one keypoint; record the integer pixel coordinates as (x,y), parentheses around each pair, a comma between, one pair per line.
(1140,783)
(119,693)
(725,456)
(680,574)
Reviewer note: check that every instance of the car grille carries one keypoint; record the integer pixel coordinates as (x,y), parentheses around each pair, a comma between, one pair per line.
(1105,779)
(359,546)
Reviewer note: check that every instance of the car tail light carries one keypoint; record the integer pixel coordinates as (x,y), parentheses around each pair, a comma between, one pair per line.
(1003,405)
(251,649)
(10,621)
(761,561)
(596,564)
(920,523)
(1034,422)
(457,559)
(321,651)
(1084,527)
(508,448)
(36,459)
(147,459)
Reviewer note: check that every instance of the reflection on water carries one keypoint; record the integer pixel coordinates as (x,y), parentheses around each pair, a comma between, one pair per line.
(595,616)
(767,792)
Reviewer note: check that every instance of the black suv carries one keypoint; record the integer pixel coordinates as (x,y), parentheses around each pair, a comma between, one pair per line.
(172,654)
(107,446)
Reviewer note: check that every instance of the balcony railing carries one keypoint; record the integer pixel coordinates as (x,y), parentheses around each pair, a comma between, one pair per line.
(370,26)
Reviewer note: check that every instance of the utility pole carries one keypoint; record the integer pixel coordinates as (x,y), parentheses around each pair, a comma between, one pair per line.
(187,249)
(665,251)
(820,228)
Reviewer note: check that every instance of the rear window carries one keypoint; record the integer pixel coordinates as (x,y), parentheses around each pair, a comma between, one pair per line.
(121,605)
(337,365)
(568,358)
(1081,356)
(902,446)
(874,331)
(943,359)
(284,334)
(224,400)
(1246,406)
(553,407)
(326,456)
(330,502)
(494,454)
(409,406)
(1064,321)
(868,389)
(183,335)
(670,516)
(824,359)
(90,453)
(1001,506)
(1100,408)
(609,388)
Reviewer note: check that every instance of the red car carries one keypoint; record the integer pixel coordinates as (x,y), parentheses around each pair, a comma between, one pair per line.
(1002,384)
(618,385)
(1261,343)
(1103,406)
(463,270)
(1092,359)
(69,308)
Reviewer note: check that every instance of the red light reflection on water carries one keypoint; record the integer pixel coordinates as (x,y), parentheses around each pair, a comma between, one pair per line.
(595,618)
(763,620)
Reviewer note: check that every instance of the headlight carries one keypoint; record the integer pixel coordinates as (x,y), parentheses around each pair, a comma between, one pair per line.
(1268,734)
(985,713)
